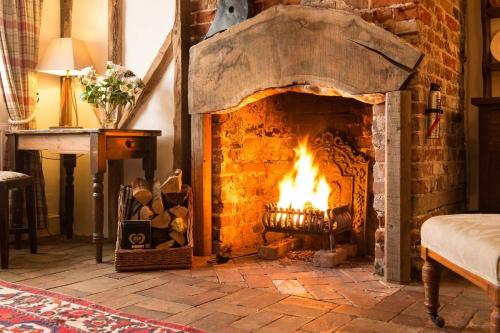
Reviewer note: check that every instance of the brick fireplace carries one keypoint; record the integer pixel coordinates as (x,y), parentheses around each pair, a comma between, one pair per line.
(245,124)
(253,148)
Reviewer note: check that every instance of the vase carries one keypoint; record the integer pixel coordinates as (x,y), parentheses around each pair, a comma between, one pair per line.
(109,115)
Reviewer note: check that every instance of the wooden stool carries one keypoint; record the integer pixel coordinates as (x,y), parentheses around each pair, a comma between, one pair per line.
(469,245)
(14,180)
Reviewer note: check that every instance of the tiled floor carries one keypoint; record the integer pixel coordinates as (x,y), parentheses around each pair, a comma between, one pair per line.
(249,295)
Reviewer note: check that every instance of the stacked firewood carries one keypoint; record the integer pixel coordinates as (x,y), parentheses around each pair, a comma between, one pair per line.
(164,205)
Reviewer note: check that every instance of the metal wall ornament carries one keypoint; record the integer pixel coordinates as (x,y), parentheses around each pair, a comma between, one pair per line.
(229,13)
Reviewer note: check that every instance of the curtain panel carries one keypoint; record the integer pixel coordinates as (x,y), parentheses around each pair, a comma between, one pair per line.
(19,39)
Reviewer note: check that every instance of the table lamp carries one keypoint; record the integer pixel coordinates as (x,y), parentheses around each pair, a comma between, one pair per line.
(65,57)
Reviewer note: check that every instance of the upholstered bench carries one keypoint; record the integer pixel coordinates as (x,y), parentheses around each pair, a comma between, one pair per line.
(14,180)
(468,244)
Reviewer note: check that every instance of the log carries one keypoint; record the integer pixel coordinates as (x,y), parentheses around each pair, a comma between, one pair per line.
(179,211)
(179,225)
(141,192)
(178,237)
(165,245)
(173,184)
(159,236)
(157,203)
(161,221)
(146,213)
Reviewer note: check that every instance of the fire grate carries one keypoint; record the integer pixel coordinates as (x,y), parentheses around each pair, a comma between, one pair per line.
(307,221)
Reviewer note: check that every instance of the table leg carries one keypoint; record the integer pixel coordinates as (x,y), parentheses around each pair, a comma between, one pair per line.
(98,214)
(16,160)
(115,178)
(69,162)
(149,162)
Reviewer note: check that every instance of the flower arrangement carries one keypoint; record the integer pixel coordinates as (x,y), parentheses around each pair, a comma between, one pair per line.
(109,93)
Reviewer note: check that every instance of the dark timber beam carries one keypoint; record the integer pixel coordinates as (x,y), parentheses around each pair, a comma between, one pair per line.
(182,122)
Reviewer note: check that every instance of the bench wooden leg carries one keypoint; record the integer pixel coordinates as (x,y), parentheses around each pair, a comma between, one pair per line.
(495,319)
(494,294)
(430,277)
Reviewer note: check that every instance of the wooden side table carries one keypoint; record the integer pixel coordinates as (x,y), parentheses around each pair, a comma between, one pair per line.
(102,145)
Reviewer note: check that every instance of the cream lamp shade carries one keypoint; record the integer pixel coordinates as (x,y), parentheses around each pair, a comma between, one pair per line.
(64,57)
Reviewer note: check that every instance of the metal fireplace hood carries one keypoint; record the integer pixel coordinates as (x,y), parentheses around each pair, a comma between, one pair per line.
(302,49)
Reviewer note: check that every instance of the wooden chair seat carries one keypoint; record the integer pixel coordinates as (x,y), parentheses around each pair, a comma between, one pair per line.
(468,244)
(10,180)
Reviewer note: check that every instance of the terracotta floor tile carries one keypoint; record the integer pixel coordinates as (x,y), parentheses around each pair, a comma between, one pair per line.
(362,325)
(214,321)
(397,302)
(234,309)
(284,324)
(256,320)
(328,322)
(188,316)
(162,306)
(172,291)
(229,275)
(123,301)
(296,310)
(373,313)
(290,287)
(258,281)
(147,313)
(323,292)
(98,284)
(201,298)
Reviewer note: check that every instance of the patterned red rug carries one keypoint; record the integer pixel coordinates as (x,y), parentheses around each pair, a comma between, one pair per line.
(25,309)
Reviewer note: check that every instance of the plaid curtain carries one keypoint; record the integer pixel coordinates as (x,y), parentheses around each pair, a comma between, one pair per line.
(19,37)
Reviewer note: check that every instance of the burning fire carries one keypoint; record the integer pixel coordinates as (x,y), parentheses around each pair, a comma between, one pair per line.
(304,187)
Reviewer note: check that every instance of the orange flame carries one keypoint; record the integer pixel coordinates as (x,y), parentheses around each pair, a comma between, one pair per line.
(303,187)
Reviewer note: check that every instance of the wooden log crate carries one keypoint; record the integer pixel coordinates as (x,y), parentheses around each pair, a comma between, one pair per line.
(162,257)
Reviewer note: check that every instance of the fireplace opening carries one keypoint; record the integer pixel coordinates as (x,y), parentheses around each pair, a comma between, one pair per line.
(255,148)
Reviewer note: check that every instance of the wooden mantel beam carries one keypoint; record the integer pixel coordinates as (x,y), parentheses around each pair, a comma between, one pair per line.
(347,56)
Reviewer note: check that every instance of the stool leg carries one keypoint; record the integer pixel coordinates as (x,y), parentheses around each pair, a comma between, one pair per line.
(4,228)
(31,212)
(430,277)
(17,215)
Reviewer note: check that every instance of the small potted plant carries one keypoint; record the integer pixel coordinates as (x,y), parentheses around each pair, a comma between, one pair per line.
(110,93)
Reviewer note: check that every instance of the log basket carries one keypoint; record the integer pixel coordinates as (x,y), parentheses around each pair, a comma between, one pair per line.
(151,259)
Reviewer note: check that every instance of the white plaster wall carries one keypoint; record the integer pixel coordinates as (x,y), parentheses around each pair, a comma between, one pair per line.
(90,24)
(48,111)
(145,29)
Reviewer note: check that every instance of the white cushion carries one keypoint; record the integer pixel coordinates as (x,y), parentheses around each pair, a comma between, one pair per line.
(471,241)
(11,175)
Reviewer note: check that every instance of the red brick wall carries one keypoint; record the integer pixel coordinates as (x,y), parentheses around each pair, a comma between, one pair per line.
(437,28)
